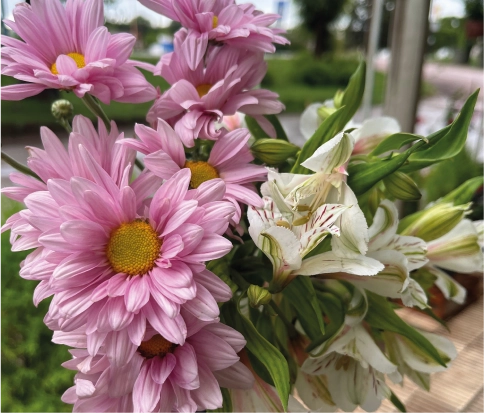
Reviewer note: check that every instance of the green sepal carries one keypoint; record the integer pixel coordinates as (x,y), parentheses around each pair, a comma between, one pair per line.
(227,402)
(266,353)
(302,296)
(381,315)
(464,193)
(446,143)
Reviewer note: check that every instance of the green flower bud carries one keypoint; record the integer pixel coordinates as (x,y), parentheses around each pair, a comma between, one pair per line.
(436,221)
(324,112)
(273,151)
(401,186)
(258,296)
(338,98)
(62,109)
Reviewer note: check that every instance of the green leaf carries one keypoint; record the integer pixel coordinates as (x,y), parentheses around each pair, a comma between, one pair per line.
(381,315)
(254,128)
(353,95)
(394,142)
(363,176)
(397,402)
(445,145)
(335,122)
(302,296)
(227,402)
(327,130)
(266,353)
(333,309)
(280,132)
(464,193)
(257,131)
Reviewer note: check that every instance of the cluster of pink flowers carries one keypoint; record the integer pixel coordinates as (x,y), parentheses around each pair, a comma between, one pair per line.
(124,259)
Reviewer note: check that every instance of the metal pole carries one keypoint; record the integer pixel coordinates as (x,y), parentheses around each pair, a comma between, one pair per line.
(409,38)
(375,24)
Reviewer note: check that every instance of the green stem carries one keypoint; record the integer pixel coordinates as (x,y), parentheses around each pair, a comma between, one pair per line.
(290,327)
(65,123)
(18,166)
(139,164)
(96,109)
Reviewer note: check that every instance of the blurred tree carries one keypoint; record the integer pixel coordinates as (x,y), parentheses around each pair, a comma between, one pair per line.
(359,12)
(316,16)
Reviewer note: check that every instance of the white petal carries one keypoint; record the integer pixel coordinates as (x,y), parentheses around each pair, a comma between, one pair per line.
(331,154)
(384,227)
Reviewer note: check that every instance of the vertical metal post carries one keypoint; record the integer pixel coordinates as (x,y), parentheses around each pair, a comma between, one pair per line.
(375,24)
(409,38)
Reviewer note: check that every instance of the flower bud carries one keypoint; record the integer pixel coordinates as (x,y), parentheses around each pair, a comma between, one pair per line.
(436,221)
(338,98)
(62,109)
(325,112)
(401,186)
(258,296)
(273,151)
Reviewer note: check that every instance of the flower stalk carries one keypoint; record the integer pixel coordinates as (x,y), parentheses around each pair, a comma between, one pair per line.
(18,166)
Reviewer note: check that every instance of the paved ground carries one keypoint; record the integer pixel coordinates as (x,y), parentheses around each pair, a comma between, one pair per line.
(460,388)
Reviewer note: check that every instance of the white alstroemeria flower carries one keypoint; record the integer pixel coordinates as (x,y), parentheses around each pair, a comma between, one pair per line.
(355,367)
(285,244)
(459,250)
(399,254)
(415,363)
(372,132)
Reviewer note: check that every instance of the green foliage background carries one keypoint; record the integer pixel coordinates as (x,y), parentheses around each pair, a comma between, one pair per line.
(32,378)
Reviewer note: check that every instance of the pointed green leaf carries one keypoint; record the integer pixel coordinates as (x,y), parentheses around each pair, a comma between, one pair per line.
(334,310)
(335,122)
(257,131)
(327,130)
(266,353)
(464,193)
(394,142)
(445,145)
(353,95)
(302,296)
(397,402)
(254,128)
(381,315)
(227,402)
(280,132)
(363,176)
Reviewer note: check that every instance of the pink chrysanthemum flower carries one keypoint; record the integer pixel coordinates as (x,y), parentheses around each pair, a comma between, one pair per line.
(161,376)
(115,259)
(69,48)
(200,98)
(220,21)
(229,160)
(55,162)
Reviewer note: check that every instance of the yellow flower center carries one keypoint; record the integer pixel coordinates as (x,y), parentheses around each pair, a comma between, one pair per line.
(133,248)
(203,89)
(156,346)
(214,22)
(78,58)
(201,172)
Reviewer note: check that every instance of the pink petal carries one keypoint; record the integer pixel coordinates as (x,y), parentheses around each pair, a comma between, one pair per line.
(186,372)
(162,368)
(137,294)
(146,392)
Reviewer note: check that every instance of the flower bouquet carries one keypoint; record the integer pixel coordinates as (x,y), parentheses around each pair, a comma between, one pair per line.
(203,265)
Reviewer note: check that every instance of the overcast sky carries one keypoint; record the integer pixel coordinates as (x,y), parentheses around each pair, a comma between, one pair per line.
(125,10)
